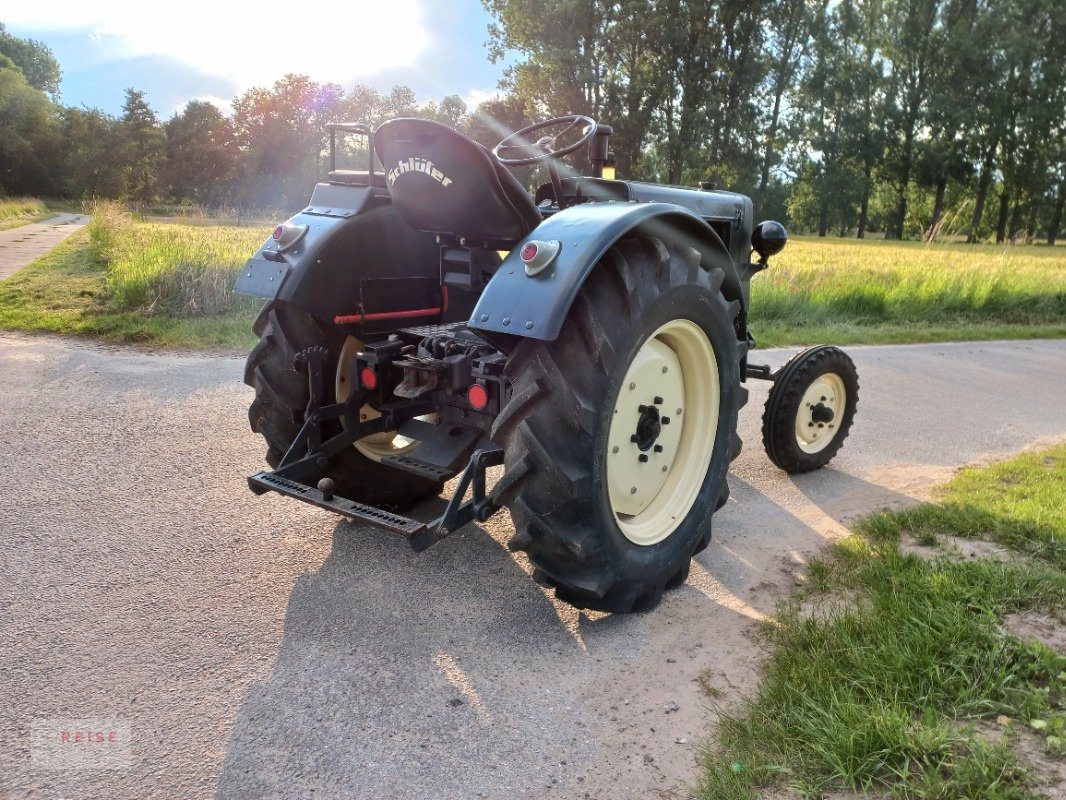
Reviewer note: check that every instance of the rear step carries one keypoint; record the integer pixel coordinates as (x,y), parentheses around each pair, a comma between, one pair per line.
(417,533)
(443,452)
(423,469)
(420,535)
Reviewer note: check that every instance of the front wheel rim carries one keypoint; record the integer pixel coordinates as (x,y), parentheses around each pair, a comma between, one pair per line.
(820,413)
(662,432)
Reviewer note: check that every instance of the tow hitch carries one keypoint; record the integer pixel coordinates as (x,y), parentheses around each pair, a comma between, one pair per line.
(310,450)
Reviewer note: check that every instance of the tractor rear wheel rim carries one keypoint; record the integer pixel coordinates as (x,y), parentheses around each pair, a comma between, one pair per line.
(378,445)
(820,412)
(662,432)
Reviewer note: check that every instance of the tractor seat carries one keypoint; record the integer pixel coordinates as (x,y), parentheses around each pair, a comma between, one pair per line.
(442,182)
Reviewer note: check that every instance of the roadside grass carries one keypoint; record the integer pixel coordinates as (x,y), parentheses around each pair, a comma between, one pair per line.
(67,292)
(171,281)
(18,211)
(171,270)
(850,291)
(886,691)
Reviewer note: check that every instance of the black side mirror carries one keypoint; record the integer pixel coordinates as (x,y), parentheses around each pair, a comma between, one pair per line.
(769,239)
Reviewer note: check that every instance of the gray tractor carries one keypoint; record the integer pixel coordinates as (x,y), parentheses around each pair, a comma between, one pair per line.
(432,318)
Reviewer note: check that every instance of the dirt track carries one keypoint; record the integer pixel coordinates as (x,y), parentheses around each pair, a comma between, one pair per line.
(19,246)
(258,648)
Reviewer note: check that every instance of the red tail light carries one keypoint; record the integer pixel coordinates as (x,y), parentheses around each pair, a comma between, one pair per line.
(477,396)
(368,378)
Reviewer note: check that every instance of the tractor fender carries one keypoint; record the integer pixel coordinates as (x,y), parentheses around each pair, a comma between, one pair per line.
(536,306)
(356,249)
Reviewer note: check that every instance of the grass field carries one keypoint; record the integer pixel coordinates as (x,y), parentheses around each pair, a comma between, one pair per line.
(169,282)
(16,211)
(848,291)
(897,673)
(128,281)
(169,269)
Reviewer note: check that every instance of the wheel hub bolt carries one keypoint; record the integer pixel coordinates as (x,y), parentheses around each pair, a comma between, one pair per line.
(664,420)
(658,448)
(822,413)
(642,458)
(658,401)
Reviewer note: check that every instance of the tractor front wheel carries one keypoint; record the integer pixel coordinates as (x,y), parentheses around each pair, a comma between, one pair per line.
(619,433)
(810,409)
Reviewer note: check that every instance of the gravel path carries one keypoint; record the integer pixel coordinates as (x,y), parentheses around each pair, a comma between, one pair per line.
(258,648)
(19,246)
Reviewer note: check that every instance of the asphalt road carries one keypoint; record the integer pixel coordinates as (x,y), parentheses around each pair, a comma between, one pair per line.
(257,648)
(19,246)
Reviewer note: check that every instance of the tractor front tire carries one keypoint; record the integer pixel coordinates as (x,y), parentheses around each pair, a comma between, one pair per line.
(281,394)
(619,433)
(810,409)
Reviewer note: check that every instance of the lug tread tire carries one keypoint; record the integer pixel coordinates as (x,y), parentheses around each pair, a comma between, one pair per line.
(559,388)
(281,394)
(779,414)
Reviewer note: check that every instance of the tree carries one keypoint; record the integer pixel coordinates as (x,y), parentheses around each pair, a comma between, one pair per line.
(787,42)
(282,137)
(914,37)
(27,133)
(140,148)
(35,60)
(201,155)
(88,154)
(451,111)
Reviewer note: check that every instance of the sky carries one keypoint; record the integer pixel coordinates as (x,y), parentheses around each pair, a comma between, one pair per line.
(197,49)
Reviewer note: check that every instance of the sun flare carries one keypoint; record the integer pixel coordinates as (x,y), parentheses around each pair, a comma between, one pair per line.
(250,43)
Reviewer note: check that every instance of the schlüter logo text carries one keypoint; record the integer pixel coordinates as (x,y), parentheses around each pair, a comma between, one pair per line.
(418,165)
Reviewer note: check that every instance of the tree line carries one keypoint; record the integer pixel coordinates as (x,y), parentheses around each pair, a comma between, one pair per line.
(908,117)
(912,117)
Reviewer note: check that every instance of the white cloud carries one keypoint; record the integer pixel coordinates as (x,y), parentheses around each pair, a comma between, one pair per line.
(250,43)
(222,104)
(476,97)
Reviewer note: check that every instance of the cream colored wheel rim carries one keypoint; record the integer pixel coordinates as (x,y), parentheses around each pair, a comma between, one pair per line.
(820,412)
(378,445)
(662,432)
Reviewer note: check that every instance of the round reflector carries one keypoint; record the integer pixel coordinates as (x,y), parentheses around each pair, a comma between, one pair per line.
(529,252)
(477,396)
(277,232)
(368,377)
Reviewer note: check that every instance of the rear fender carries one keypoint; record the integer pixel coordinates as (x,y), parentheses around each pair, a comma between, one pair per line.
(356,252)
(535,307)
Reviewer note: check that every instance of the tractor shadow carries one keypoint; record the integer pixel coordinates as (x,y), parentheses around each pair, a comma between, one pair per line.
(451,673)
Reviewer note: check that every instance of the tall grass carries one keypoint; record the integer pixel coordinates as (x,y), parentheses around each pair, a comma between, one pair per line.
(167,269)
(815,285)
(824,282)
(17,207)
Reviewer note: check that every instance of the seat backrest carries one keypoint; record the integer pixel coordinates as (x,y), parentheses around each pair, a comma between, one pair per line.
(442,182)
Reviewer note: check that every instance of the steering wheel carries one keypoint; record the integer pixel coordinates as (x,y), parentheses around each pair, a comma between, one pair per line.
(545,145)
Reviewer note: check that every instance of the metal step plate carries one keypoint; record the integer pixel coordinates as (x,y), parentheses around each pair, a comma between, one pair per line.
(424,469)
(417,532)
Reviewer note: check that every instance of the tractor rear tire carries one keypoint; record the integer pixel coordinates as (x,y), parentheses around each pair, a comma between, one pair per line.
(281,394)
(609,518)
